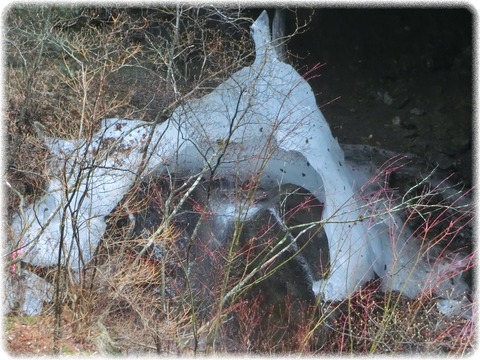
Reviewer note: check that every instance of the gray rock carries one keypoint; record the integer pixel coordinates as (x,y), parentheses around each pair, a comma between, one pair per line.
(396,101)
(387,99)
(417,111)
(397,121)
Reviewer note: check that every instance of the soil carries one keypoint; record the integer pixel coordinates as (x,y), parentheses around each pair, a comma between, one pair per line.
(399,79)
(27,336)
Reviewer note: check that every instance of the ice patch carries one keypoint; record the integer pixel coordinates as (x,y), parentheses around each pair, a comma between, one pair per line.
(262,123)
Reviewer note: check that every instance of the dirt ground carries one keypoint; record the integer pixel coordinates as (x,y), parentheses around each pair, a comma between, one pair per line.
(397,79)
(28,335)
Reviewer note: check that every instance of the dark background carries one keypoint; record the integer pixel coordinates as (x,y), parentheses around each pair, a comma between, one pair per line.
(397,78)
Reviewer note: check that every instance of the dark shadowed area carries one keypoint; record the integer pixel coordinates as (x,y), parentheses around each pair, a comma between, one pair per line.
(397,78)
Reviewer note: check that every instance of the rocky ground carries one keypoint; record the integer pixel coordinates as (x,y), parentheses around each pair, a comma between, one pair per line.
(397,79)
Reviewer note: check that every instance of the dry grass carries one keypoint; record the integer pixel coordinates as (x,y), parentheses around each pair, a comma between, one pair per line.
(372,321)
